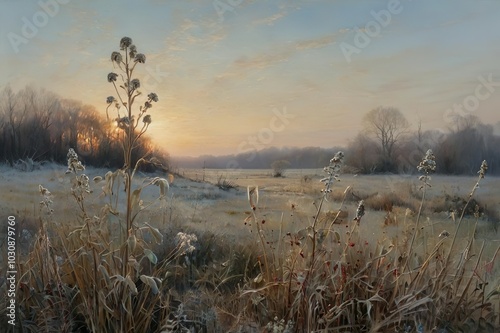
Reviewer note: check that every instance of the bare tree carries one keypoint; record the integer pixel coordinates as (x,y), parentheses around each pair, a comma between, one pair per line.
(41,105)
(387,125)
(13,118)
(279,167)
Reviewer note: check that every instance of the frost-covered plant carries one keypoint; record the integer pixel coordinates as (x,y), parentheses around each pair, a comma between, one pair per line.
(360,211)
(80,187)
(133,125)
(46,200)
(333,171)
(279,326)
(115,276)
(482,173)
(427,166)
(185,242)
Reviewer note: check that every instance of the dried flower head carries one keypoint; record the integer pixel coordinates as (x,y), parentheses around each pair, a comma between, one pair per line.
(74,164)
(338,158)
(82,182)
(47,199)
(428,163)
(153,96)
(80,187)
(112,77)
(43,190)
(116,57)
(147,119)
(147,105)
(184,242)
(333,170)
(484,168)
(110,99)
(444,234)
(132,51)
(140,58)
(125,42)
(123,122)
(482,172)
(360,211)
(135,84)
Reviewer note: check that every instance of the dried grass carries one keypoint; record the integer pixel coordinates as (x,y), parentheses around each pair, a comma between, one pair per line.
(323,278)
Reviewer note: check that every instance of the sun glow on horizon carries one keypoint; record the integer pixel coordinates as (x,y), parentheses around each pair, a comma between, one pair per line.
(218,79)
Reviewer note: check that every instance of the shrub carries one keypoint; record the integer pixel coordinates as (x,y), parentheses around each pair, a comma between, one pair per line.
(279,167)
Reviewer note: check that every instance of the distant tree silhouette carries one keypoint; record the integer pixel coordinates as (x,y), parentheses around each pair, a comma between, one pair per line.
(387,125)
(362,154)
(38,124)
(279,167)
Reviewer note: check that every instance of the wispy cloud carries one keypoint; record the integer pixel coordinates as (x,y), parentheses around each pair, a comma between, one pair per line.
(270,20)
(316,43)
(264,53)
(275,55)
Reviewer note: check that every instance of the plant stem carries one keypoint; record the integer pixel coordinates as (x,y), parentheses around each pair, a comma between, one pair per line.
(417,222)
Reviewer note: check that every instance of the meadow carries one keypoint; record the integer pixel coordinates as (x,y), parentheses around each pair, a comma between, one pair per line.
(119,250)
(259,253)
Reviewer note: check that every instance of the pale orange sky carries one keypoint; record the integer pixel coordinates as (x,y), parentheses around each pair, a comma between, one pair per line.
(222,73)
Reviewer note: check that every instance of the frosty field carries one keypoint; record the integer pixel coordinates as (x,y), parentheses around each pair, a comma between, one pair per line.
(197,203)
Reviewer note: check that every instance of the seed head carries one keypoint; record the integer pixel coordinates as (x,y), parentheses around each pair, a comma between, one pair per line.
(360,211)
(483,169)
(153,96)
(428,163)
(140,58)
(112,77)
(43,190)
(338,158)
(135,84)
(74,164)
(116,57)
(110,99)
(444,234)
(125,42)
(184,242)
(123,122)
(132,51)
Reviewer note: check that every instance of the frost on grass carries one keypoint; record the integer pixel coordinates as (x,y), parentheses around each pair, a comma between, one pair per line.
(185,242)
(333,171)
(46,199)
(74,165)
(427,166)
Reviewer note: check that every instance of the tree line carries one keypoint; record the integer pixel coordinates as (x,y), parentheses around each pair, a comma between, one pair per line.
(299,158)
(39,125)
(388,144)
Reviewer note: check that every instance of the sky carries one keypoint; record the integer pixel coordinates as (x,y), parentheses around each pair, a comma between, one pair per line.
(237,75)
